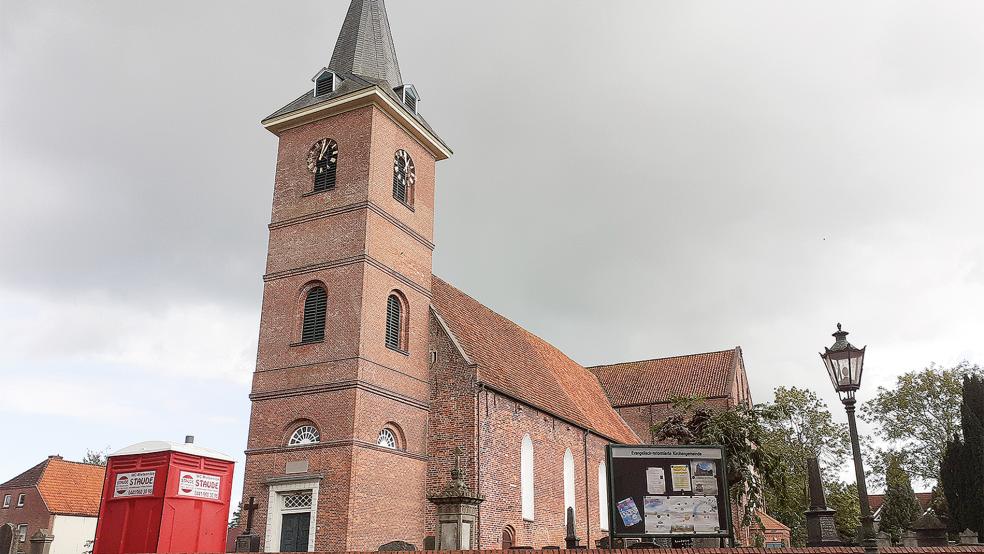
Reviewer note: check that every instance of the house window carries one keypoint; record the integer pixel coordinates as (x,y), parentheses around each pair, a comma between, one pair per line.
(315,306)
(20,500)
(603,496)
(404,177)
(569,499)
(22,531)
(6,501)
(396,322)
(526,477)
(387,439)
(305,434)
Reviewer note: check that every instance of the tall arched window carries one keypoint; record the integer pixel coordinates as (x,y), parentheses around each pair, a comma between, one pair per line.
(315,306)
(568,482)
(603,496)
(526,477)
(396,322)
(404,177)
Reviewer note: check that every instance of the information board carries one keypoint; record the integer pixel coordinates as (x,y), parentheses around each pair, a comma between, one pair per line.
(668,491)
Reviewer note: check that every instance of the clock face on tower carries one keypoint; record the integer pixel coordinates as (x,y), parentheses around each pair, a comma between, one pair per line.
(322,156)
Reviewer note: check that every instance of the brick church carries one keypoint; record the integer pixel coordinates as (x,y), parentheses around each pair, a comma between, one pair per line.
(371,371)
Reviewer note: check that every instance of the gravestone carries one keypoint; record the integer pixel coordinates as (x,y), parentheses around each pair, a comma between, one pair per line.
(820,527)
(968,536)
(41,542)
(883,539)
(397,546)
(930,531)
(571,540)
(249,541)
(457,510)
(909,538)
(8,544)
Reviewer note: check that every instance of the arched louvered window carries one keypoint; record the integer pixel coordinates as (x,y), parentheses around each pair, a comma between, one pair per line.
(602,496)
(396,322)
(526,477)
(569,493)
(315,306)
(404,177)
(322,161)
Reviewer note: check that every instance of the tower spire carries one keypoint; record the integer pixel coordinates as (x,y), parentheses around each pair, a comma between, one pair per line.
(365,44)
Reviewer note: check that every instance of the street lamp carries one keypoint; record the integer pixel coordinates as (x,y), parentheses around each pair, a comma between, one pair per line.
(844,364)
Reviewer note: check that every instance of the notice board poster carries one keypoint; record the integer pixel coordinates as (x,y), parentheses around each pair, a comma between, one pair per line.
(668,491)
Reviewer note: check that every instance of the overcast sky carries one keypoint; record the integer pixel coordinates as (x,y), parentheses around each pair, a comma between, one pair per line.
(631,180)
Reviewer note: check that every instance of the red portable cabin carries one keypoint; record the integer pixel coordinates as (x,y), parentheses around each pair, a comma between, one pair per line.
(160,496)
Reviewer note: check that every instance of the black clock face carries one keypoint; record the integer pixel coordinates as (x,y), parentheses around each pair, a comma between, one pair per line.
(322,156)
(404,167)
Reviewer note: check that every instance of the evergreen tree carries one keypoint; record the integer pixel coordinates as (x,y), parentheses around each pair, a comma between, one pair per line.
(901,506)
(962,470)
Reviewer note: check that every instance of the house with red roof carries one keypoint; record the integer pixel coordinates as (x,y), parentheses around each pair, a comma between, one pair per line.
(59,496)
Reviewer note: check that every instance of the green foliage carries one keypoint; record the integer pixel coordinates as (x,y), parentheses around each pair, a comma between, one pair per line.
(742,432)
(96,457)
(917,417)
(844,498)
(900,507)
(962,471)
(236,514)
(803,428)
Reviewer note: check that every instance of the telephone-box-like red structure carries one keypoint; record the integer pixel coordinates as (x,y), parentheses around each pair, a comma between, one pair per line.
(164,497)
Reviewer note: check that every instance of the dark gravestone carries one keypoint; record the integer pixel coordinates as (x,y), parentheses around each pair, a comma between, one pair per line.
(8,545)
(249,541)
(571,540)
(820,528)
(397,546)
(930,531)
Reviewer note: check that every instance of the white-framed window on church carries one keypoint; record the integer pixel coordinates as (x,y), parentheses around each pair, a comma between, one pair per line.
(603,496)
(569,499)
(305,434)
(526,477)
(296,501)
(6,501)
(387,439)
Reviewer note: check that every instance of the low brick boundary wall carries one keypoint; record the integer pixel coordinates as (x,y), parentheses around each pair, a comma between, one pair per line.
(956,549)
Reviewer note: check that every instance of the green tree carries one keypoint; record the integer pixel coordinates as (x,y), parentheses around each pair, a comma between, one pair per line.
(236,514)
(96,457)
(742,431)
(802,429)
(843,497)
(962,471)
(917,417)
(900,507)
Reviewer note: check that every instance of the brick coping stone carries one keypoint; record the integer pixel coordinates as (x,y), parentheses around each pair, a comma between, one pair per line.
(955,549)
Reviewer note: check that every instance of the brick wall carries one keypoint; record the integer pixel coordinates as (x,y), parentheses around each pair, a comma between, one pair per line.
(34,513)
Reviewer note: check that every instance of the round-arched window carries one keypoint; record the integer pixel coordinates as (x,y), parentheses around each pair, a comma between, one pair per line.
(387,439)
(305,434)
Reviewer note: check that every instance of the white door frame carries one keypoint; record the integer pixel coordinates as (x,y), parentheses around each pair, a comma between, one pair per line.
(275,511)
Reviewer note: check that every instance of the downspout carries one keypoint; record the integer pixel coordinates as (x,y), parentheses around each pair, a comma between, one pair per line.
(478,459)
(587,502)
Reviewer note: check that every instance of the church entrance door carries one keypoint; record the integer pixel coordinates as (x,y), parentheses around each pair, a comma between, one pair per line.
(294,532)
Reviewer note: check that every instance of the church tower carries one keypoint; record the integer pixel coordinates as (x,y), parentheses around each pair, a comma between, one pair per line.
(337,449)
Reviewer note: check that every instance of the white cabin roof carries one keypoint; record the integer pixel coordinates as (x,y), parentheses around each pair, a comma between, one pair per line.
(148,447)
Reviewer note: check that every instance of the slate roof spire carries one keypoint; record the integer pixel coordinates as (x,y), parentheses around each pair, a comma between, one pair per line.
(365,44)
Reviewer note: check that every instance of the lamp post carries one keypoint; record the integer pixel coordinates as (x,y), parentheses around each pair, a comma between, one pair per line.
(844,364)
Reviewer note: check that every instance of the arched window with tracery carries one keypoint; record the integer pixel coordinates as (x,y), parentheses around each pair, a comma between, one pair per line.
(305,434)
(526,477)
(397,319)
(315,308)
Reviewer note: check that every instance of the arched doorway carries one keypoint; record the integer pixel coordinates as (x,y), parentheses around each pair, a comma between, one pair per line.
(508,537)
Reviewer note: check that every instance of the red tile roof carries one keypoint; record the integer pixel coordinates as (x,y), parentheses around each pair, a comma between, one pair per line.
(707,375)
(769,523)
(520,364)
(876,500)
(71,487)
